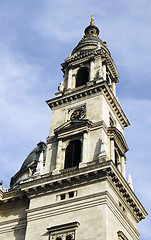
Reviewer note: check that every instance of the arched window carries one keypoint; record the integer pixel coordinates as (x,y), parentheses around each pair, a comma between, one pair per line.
(73,154)
(69,237)
(82,77)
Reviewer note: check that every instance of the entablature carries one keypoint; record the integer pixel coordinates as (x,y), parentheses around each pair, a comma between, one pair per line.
(87,92)
(88,55)
(94,172)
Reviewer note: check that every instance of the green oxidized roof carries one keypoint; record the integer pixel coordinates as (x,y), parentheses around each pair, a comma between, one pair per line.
(31,160)
(34,155)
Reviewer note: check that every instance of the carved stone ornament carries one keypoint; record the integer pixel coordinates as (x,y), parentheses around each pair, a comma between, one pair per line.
(61,87)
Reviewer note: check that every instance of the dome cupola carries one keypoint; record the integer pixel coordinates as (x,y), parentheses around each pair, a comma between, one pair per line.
(91,30)
(90,40)
(32,166)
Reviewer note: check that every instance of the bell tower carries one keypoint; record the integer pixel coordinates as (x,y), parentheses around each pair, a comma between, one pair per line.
(87,120)
(73,187)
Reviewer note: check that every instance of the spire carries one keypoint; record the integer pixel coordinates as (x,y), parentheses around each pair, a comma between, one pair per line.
(92,20)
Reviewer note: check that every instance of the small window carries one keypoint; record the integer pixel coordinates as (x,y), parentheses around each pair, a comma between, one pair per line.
(82,77)
(62,196)
(71,194)
(66,195)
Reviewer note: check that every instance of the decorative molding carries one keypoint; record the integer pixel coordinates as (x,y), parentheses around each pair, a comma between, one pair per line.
(80,177)
(121,236)
(88,201)
(88,92)
(62,231)
(119,139)
(88,55)
(72,127)
(13,225)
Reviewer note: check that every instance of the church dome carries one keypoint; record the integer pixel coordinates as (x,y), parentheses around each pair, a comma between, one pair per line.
(29,166)
(90,39)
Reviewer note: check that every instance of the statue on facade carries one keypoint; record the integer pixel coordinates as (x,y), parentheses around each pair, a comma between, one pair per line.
(61,87)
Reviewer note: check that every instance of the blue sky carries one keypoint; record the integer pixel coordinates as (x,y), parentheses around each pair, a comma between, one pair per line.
(35,38)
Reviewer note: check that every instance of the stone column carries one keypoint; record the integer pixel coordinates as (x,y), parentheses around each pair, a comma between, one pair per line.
(65,78)
(103,149)
(123,167)
(84,151)
(114,88)
(104,71)
(69,79)
(73,81)
(92,70)
(99,73)
(112,154)
(58,159)
(39,167)
(119,164)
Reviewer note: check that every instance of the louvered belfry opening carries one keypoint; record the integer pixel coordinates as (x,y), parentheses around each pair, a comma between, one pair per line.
(82,77)
(73,154)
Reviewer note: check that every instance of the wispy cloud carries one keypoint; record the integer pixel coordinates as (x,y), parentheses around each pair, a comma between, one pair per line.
(21,110)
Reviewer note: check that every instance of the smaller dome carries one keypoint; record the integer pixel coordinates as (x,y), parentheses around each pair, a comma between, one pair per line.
(29,165)
(90,39)
(91,30)
(34,155)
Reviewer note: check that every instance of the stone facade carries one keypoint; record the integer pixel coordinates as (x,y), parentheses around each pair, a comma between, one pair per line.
(74,186)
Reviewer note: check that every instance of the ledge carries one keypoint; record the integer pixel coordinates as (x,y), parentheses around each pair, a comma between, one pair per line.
(87,92)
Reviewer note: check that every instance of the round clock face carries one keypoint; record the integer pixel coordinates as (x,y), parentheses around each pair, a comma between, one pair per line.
(78,114)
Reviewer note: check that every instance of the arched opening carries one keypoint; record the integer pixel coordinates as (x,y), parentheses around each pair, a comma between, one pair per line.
(69,237)
(73,154)
(82,77)
(58,238)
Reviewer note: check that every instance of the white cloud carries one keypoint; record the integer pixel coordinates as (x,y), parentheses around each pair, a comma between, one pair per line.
(24,120)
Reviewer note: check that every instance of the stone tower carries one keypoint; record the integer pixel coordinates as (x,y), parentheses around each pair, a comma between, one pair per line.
(73,187)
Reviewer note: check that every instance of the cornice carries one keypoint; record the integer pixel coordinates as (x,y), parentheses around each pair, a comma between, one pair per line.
(64,227)
(78,177)
(113,205)
(79,203)
(80,128)
(13,195)
(89,92)
(114,133)
(87,55)
(126,193)
(12,225)
(73,125)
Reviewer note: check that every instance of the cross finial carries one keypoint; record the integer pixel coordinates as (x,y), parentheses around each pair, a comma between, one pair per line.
(92,20)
